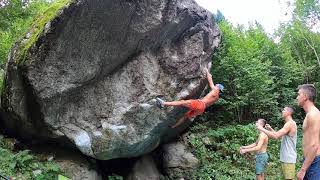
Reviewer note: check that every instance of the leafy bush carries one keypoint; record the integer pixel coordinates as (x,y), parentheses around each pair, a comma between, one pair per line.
(24,165)
(16,18)
(218,152)
(115,177)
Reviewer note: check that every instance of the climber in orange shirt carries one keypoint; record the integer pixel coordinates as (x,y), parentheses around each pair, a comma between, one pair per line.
(196,106)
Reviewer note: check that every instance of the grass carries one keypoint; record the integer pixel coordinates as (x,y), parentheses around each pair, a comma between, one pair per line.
(38,27)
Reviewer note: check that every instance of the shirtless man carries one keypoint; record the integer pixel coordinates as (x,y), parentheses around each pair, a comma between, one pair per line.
(288,135)
(310,169)
(260,147)
(196,106)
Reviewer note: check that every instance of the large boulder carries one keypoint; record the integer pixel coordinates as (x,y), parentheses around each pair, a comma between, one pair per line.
(89,77)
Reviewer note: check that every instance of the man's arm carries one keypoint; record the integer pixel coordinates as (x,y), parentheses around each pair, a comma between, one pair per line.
(312,128)
(258,146)
(275,134)
(209,78)
(269,128)
(249,146)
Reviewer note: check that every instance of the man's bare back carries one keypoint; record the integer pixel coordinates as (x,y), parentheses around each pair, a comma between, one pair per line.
(264,138)
(211,97)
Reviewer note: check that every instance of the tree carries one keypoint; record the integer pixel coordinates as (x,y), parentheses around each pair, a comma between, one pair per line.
(243,64)
(308,11)
(219,17)
(16,17)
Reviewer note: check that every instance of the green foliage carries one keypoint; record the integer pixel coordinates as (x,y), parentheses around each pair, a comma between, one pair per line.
(218,152)
(261,76)
(245,59)
(15,19)
(308,11)
(38,26)
(300,39)
(23,164)
(115,177)
(60,177)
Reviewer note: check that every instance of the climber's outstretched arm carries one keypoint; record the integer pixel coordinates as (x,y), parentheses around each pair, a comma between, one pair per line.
(209,78)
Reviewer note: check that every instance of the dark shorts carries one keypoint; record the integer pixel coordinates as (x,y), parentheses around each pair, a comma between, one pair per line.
(313,172)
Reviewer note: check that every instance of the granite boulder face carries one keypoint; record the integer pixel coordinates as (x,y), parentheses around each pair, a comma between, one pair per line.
(91,76)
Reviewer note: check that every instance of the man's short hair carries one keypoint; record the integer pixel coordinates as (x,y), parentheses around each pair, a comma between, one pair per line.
(309,90)
(290,109)
(263,121)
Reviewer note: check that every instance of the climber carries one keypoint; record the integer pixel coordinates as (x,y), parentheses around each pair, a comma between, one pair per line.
(196,106)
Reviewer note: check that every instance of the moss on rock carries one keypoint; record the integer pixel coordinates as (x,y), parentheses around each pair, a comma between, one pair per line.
(38,26)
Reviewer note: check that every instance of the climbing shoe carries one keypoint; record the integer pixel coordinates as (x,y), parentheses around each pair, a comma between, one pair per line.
(160,103)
